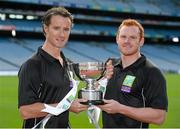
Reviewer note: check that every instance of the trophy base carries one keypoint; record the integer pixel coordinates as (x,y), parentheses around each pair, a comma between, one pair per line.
(93,102)
(93,97)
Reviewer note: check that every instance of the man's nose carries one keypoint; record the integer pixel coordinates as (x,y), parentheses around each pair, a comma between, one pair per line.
(61,33)
(127,39)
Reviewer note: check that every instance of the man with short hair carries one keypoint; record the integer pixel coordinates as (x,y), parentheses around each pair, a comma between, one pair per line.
(136,94)
(44,78)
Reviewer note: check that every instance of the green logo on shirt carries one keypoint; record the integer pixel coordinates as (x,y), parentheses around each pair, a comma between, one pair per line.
(128,81)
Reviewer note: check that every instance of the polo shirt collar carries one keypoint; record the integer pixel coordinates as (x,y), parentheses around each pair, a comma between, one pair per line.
(48,57)
(135,65)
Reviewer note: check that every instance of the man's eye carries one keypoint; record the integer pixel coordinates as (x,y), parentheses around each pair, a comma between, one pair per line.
(122,36)
(133,37)
(67,29)
(56,28)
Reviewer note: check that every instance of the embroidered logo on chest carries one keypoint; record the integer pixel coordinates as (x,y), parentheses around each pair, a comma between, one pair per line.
(127,83)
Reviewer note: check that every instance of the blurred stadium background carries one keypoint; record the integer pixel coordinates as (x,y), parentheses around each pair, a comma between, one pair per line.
(92,39)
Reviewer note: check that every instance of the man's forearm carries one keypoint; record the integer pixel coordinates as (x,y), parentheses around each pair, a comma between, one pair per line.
(147,115)
(33,110)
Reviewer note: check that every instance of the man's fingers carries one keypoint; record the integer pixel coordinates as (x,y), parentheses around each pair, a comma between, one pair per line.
(82,106)
(107,101)
(109,69)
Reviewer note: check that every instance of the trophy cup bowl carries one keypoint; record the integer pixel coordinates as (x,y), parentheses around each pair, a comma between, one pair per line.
(90,72)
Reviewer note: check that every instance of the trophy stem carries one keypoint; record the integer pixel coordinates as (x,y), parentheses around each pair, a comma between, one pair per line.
(90,84)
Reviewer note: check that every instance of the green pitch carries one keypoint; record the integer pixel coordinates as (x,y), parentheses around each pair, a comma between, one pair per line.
(10,118)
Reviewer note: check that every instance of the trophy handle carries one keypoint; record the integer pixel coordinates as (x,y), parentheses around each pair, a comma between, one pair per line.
(75,67)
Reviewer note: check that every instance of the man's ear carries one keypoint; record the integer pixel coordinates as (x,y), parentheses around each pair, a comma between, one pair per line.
(142,41)
(117,37)
(45,28)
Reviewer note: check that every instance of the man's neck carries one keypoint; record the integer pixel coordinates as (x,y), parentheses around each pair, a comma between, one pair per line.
(130,59)
(53,51)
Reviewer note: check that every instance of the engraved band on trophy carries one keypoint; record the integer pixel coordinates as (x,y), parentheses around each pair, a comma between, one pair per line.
(90,72)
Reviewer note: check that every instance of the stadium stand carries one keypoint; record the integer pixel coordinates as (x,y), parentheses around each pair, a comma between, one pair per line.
(87,28)
(136,6)
(89,51)
(93,35)
(142,6)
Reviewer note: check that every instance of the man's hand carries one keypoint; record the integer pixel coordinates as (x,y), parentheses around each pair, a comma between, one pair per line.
(110,106)
(77,107)
(109,69)
(144,114)
(106,75)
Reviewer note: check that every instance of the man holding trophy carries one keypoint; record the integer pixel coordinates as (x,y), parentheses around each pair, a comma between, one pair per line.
(90,72)
(47,87)
(94,91)
(136,94)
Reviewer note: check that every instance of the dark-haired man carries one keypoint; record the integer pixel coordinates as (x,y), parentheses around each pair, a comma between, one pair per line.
(44,79)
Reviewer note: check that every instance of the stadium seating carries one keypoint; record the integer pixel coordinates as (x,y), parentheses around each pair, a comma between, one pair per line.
(14,51)
(23,25)
(7,67)
(162,56)
(135,6)
(167,58)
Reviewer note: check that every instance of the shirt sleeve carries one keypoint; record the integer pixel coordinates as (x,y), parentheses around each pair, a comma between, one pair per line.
(29,84)
(155,90)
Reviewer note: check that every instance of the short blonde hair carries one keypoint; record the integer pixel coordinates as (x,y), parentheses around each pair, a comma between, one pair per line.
(132,22)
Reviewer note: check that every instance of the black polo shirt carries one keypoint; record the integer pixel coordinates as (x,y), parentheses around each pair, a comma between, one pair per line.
(43,79)
(139,85)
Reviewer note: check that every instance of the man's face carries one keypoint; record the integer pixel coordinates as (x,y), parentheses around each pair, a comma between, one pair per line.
(128,40)
(57,33)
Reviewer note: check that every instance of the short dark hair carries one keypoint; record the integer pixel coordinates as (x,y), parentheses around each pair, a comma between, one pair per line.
(46,19)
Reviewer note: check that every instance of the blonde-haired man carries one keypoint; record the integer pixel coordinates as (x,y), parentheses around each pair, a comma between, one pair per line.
(136,94)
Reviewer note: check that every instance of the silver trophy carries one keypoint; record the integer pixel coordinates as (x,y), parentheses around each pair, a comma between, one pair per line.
(90,72)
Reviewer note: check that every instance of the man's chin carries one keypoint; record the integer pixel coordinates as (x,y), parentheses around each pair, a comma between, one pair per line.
(61,46)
